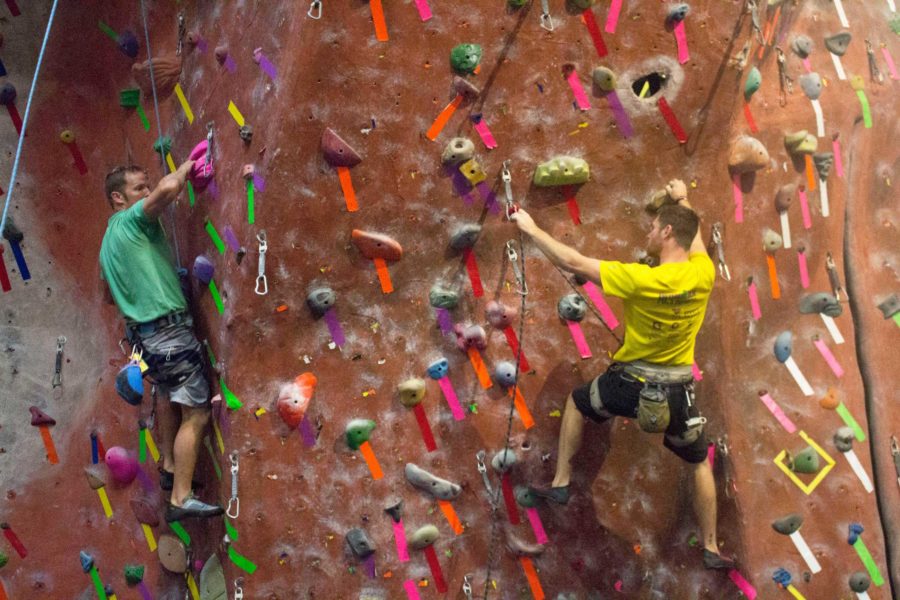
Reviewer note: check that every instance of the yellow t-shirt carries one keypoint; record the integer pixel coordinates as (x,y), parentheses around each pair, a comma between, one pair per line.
(664,307)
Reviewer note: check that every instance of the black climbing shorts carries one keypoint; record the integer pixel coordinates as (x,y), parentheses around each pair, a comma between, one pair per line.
(616,393)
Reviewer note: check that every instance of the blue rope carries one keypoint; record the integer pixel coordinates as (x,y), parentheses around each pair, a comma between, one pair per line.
(37,69)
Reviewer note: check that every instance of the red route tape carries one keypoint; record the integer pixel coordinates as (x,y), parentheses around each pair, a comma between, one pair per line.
(425,428)
(4,276)
(591,23)
(79,159)
(510,499)
(14,116)
(749,116)
(513,342)
(14,541)
(572,204)
(436,570)
(13,7)
(474,276)
(672,120)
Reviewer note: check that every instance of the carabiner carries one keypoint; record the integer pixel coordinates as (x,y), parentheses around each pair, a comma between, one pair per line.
(234,501)
(546,19)
(467,587)
(513,257)
(262,284)
(238,590)
(315,10)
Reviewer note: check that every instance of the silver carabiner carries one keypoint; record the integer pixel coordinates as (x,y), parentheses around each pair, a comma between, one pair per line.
(507,186)
(467,587)
(238,590)
(546,19)
(315,10)
(57,370)
(513,257)
(234,501)
(262,284)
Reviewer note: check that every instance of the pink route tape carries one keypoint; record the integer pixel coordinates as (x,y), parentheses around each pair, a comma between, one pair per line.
(804,270)
(777,412)
(452,400)
(681,41)
(804,208)
(424,9)
(711,455)
(838,163)
(534,518)
(411,592)
(581,98)
(696,372)
(578,337)
(738,198)
(484,132)
(754,301)
(829,358)
(400,540)
(807,65)
(599,301)
(890,63)
(612,19)
(744,585)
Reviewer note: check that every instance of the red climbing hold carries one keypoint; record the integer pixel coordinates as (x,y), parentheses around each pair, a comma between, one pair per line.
(294,399)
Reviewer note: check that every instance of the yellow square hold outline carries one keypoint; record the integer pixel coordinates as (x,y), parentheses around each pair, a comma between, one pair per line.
(807,489)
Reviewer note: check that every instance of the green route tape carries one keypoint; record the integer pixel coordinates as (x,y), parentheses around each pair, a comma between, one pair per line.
(867,115)
(98,585)
(142,447)
(230,530)
(231,400)
(251,211)
(241,561)
(144,121)
(180,532)
(190,194)
(851,422)
(109,31)
(217,240)
(212,356)
(897,319)
(868,561)
(216,297)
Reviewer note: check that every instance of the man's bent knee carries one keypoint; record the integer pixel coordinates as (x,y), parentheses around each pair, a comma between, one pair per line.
(197,417)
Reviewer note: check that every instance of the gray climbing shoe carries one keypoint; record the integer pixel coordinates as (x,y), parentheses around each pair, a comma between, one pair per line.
(711,560)
(192,508)
(560,495)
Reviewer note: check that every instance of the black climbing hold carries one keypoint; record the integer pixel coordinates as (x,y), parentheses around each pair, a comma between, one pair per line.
(360,543)
(823,162)
(788,524)
(128,43)
(465,236)
(890,307)
(843,439)
(678,13)
(11,232)
(571,307)
(320,300)
(246,133)
(394,510)
(802,46)
(859,581)
(7,94)
(837,43)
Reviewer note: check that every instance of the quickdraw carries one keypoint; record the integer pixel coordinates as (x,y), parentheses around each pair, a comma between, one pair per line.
(467,587)
(546,19)
(234,503)
(784,80)
(513,257)
(209,141)
(720,252)
(238,590)
(57,371)
(262,285)
(181,32)
(315,10)
(482,468)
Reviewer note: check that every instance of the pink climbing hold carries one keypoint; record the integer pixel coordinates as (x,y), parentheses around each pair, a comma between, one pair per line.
(294,399)
(122,464)
(202,173)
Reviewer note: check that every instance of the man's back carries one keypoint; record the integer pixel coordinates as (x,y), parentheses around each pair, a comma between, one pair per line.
(135,261)
(664,307)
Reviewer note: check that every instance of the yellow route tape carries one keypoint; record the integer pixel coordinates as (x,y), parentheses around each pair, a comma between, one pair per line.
(236,114)
(184,103)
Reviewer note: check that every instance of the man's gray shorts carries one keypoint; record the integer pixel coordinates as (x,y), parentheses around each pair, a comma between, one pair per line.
(175,358)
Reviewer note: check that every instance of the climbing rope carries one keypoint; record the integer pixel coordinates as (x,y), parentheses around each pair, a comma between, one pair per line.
(37,69)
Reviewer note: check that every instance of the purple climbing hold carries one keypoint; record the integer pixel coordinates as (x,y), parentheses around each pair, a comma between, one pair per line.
(128,43)
(203,269)
(338,153)
(39,417)
(470,336)
(7,94)
(499,315)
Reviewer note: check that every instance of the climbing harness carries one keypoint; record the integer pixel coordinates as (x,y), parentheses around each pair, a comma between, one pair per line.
(833,277)
(238,590)
(315,10)
(57,371)
(234,502)
(546,19)
(262,285)
(784,80)
(720,252)
(873,66)
(482,468)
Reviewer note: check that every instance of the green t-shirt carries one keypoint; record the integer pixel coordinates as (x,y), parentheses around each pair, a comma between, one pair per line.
(664,307)
(136,262)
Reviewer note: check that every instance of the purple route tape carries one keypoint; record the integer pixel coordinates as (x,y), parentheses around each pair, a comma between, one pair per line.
(145,593)
(266,65)
(224,421)
(213,189)
(369,563)
(231,239)
(202,45)
(334,327)
(444,320)
(621,116)
(230,64)
(489,197)
(145,480)
(2,69)
(258,182)
(307,433)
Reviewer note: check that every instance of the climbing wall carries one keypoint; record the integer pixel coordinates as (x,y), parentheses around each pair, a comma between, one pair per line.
(687,96)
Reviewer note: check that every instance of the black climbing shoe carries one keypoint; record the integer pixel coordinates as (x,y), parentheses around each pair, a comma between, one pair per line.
(192,508)
(711,560)
(560,495)
(167,480)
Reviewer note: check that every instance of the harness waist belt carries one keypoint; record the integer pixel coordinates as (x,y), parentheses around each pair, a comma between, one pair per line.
(163,321)
(659,374)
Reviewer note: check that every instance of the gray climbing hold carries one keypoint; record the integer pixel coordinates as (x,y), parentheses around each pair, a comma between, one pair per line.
(465,236)
(424,537)
(678,12)
(783,345)
(464,58)
(411,391)
(837,43)
(425,481)
(87,561)
(562,170)
(746,154)
(823,162)
(96,476)
(203,269)
(11,232)
(212,580)
(360,544)
(805,461)
(338,153)
(788,525)
(843,439)
(820,302)
(438,368)
(571,307)
(751,85)
(772,240)
(604,78)
(505,373)
(7,94)
(320,300)
(890,307)
(859,581)
(524,497)
(802,46)
(784,197)
(811,84)
(504,460)
(458,150)
(465,88)
(443,297)
(394,510)
(499,315)
(246,133)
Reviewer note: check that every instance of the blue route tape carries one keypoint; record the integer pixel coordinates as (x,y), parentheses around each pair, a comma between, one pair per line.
(20,260)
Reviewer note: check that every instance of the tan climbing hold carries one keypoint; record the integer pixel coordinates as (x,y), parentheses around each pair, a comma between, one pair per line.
(172,554)
(747,154)
(801,142)
(562,170)
(829,400)
(411,391)
(166,71)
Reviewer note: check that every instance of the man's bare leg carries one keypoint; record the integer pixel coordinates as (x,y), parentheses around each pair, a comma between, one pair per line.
(186,450)
(705,510)
(168,426)
(570,434)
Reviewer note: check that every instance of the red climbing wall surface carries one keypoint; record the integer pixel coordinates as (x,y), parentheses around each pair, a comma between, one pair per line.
(629,530)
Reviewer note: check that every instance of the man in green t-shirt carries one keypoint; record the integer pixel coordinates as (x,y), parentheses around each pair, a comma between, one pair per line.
(651,378)
(136,266)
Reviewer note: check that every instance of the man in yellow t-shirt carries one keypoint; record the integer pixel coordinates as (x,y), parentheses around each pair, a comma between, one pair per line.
(664,309)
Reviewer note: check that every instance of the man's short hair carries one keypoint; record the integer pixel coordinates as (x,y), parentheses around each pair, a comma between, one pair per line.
(115,179)
(683,220)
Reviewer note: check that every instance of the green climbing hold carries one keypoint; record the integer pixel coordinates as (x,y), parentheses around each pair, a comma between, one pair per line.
(3,559)
(134,574)
(517,3)
(562,170)
(895,24)
(584,4)
(754,80)
(358,431)
(130,98)
(465,57)
(805,461)
(163,145)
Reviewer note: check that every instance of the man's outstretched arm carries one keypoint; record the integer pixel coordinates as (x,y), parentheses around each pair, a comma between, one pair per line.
(678,192)
(166,191)
(563,256)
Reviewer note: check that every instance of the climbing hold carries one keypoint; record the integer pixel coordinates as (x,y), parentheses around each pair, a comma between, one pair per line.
(751,85)
(517,3)
(67,136)
(499,315)
(504,460)
(87,561)
(320,300)
(130,98)
(823,162)
(376,245)
(248,171)
(212,580)
(411,391)
(604,78)
(782,578)
(246,133)
(357,432)
(890,307)
(464,58)
(162,145)
(11,232)
(788,525)
(145,511)
(424,537)
(524,497)
(802,46)
(465,236)
(360,544)
(678,13)
(859,582)
(843,439)
(202,172)
(470,336)
(203,269)
(128,44)
(562,170)
(134,574)
(584,4)
(438,368)
(472,171)
(747,154)
(193,38)
(130,384)
(122,464)
(7,94)
(39,417)
(338,153)
(820,302)
(837,43)
(571,307)
(294,399)
(443,297)
(458,150)
(96,478)
(783,346)
(505,373)
(393,509)
(465,88)
(520,547)
(829,400)
(221,53)
(172,554)
(855,530)
(166,72)
(811,84)
(4,559)
(784,197)
(857,83)
(805,461)
(801,142)
(425,481)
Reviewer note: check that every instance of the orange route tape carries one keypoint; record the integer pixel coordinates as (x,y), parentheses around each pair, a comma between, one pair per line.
(531,575)
(773,276)
(381,32)
(369,455)
(347,188)
(480,370)
(384,276)
(442,118)
(522,408)
(451,515)
(810,173)
(48,444)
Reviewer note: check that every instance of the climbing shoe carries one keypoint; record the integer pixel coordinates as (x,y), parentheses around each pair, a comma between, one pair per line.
(192,508)
(711,560)
(167,480)
(560,495)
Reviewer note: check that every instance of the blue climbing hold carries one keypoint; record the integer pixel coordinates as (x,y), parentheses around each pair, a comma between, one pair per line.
(87,561)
